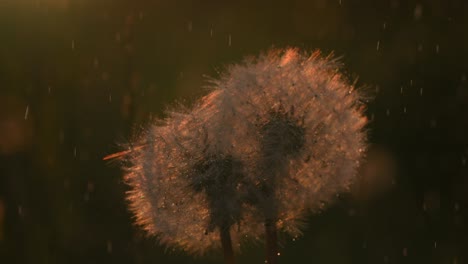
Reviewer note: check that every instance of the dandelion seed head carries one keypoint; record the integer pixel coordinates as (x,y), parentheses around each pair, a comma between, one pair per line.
(303,122)
(278,136)
(183,188)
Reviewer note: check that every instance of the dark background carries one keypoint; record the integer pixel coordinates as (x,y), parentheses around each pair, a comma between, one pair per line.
(77,76)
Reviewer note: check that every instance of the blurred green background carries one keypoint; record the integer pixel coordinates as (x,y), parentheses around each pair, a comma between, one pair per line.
(78,76)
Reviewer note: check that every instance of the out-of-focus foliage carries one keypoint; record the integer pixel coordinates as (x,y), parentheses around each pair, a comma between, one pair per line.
(76,76)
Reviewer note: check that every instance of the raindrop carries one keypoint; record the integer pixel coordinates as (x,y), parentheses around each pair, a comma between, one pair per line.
(435,244)
(189,26)
(211,32)
(378,45)
(404,109)
(420,48)
(339,2)
(388,112)
(384,26)
(109,246)
(456,207)
(418,10)
(20,210)
(411,82)
(421,91)
(73,45)
(48,89)
(26,113)
(74,152)
(401,89)
(229,40)
(110,98)
(90,186)
(437,48)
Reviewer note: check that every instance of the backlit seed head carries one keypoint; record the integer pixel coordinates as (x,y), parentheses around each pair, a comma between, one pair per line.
(304,124)
(185,188)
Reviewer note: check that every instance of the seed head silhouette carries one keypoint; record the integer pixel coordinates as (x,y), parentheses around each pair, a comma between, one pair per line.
(187,188)
(304,123)
(278,136)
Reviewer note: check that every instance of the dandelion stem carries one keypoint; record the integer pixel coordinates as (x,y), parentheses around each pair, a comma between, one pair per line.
(271,241)
(226,242)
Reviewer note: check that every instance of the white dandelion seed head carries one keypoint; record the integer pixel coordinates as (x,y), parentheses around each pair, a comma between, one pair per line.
(303,124)
(184,187)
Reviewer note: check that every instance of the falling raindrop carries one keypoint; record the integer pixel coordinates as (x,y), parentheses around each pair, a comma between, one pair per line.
(388,112)
(26,113)
(74,152)
(421,91)
(48,89)
(110,98)
(73,45)
(109,246)
(211,32)
(378,44)
(384,26)
(418,10)
(420,47)
(437,48)
(404,109)
(229,40)
(189,26)
(411,82)
(435,244)
(401,89)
